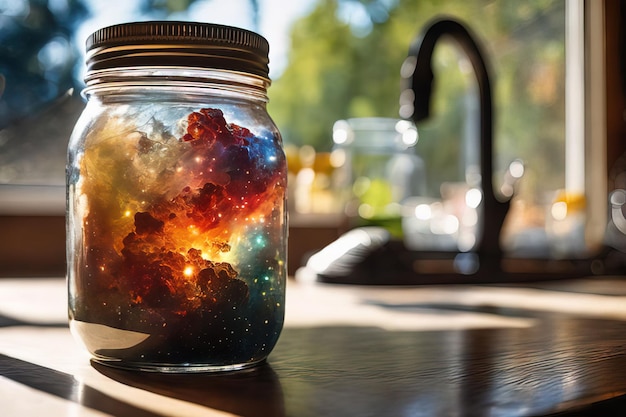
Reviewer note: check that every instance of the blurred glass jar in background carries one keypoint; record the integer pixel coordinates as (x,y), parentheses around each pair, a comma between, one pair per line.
(381,169)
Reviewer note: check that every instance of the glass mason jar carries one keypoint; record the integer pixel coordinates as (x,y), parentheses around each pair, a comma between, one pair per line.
(176,200)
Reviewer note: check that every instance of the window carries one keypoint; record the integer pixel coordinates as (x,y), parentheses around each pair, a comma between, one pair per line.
(337,59)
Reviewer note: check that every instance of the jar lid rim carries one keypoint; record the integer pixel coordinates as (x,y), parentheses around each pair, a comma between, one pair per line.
(130,44)
(175,32)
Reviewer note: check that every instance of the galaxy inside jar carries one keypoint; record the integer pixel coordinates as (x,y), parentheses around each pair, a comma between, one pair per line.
(176,214)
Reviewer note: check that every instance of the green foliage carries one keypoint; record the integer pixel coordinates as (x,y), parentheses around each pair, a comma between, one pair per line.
(337,72)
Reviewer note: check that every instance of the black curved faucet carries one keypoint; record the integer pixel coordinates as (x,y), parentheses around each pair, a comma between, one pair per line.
(420,81)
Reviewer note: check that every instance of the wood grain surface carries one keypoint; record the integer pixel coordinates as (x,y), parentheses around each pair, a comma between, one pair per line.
(563,354)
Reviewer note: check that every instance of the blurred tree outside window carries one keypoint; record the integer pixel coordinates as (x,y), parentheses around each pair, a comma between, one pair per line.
(342,60)
(345,62)
(340,68)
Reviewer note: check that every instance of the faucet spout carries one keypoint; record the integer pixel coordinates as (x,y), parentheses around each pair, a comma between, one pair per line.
(419,79)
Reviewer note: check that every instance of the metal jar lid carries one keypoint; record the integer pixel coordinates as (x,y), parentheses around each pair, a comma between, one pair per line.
(178,44)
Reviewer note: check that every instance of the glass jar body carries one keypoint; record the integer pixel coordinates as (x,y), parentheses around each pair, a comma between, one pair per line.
(177,229)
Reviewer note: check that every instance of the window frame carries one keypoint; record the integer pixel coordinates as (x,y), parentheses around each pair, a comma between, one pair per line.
(33,242)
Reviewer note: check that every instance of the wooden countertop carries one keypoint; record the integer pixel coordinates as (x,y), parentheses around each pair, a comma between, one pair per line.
(555,349)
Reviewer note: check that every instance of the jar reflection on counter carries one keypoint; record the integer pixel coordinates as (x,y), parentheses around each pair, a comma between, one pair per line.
(177,221)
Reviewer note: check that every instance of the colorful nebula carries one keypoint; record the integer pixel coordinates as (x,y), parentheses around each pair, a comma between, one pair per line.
(192,227)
